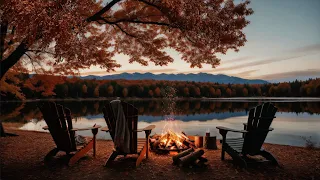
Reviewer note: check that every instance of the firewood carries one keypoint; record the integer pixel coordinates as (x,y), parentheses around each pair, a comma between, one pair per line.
(200,163)
(155,145)
(203,159)
(190,158)
(182,154)
(188,143)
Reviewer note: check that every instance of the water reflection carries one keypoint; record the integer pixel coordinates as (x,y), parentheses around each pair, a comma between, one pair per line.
(294,119)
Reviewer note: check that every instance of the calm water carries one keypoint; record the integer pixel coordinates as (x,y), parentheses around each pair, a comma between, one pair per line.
(294,120)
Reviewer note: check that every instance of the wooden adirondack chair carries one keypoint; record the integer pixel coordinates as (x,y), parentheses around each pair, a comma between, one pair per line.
(59,123)
(138,146)
(254,135)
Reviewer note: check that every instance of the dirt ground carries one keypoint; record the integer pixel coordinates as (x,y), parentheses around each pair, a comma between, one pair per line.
(22,158)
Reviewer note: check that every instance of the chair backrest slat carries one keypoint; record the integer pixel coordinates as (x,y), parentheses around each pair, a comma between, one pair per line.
(70,126)
(257,133)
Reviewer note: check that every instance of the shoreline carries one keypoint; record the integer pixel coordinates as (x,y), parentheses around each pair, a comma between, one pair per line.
(22,158)
(15,127)
(233,99)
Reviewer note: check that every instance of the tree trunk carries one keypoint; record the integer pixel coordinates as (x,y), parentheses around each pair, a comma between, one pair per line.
(12,59)
(6,64)
(2,133)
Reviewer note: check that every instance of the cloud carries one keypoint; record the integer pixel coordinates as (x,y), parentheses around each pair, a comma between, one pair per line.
(306,49)
(129,71)
(244,74)
(254,63)
(291,74)
(240,59)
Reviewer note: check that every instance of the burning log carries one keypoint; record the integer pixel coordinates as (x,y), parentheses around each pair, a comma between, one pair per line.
(171,141)
(190,158)
(182,154)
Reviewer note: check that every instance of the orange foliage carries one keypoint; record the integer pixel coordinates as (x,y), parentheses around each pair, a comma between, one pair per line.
(64,36)
(9,84)
(157,92)
(218,92)
(44,83)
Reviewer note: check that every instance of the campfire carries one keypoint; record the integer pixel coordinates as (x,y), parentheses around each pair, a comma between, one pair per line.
(170,141)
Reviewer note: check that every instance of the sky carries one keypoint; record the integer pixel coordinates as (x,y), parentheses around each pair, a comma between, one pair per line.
(283,44)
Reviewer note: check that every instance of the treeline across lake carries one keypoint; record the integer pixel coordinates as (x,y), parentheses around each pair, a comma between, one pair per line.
(47,86)
(26,111)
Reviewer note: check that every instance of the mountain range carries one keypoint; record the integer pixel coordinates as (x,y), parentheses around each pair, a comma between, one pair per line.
(201,77)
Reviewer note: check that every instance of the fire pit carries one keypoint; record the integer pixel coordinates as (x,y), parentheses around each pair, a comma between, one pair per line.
(170,141)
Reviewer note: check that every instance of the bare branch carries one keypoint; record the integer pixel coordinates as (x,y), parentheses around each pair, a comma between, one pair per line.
(36,51)
(97,15)
(124,31)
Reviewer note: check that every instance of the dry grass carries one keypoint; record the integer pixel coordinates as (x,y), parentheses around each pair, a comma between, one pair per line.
(22,158)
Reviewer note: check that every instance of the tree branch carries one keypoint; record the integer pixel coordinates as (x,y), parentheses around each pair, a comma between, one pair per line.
(13,58)
(124,31)
(40,51)
(153,5)
(97,15)
(137,22)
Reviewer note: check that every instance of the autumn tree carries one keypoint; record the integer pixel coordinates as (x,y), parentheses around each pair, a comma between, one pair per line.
(157,92)
(245,92)
(66,36)
(186,91)
(212,92)
(44,84)
(125,92)
(228,92)
(84,89)
(63,37)
(110,90)
(218,93)
(96,92)
(150,93)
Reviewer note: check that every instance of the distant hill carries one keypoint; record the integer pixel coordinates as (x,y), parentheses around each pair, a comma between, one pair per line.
(201,77)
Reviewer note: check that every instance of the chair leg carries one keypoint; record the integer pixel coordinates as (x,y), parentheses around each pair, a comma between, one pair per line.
(236,156)
(80,153)
(142,154)
(111,158)
(269,157)
(52,153)
(222,153)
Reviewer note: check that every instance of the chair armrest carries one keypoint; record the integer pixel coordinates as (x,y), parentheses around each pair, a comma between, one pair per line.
(246,124)
(45,128)
(106,129)
(88,128)
(225,129)
(148,128)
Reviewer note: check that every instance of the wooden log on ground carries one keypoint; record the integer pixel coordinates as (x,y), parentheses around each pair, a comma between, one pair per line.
(200,163)
(190,158)
(182,154)
(203,159)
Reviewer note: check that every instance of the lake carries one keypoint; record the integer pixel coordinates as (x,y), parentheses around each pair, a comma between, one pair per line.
(295,120)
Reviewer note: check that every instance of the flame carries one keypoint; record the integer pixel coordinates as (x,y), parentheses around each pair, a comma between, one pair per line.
(171,139)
